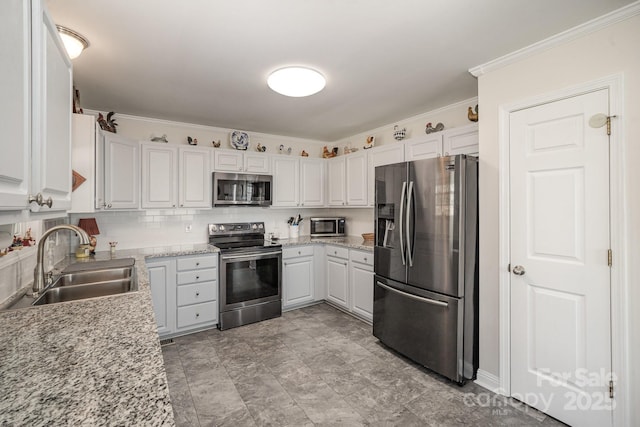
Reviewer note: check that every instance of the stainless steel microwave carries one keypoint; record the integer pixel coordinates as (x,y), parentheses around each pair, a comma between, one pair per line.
(241,189)
(328,227)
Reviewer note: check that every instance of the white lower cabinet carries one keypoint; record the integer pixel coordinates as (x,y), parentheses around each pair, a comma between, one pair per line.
(184,291)
(161,271)
(297,276)
(361,283)
(338,276)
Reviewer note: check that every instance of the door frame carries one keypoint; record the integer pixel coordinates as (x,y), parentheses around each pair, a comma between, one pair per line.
(619,228)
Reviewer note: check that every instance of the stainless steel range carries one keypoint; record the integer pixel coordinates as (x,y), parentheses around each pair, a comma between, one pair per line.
(250,274)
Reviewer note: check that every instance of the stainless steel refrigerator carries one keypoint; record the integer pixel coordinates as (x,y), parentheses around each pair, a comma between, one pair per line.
(426,263)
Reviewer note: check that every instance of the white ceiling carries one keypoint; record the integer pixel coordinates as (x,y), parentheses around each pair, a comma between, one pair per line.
(206,61)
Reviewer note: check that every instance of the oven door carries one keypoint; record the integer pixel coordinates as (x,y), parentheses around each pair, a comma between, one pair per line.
(250,278)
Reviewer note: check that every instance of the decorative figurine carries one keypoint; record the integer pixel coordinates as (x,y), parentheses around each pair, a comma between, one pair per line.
(109,124)
(430,129)
(329,154)
(399,134)
(192,141)
(216,144)
(371,140)
(162,138)
(473,116)
(261,148)
(304,154)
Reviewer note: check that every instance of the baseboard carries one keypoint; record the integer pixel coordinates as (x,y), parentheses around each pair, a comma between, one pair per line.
(488,381)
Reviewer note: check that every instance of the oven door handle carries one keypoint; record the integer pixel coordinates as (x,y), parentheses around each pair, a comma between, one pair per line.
(251,255)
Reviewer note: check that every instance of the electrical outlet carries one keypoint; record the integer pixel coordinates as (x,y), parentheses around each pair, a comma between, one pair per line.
(187,229)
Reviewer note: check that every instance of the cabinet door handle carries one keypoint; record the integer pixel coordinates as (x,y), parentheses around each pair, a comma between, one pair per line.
(197,315)
(365,260)
(197,277)
(197,293)
(49,202)
(197,264)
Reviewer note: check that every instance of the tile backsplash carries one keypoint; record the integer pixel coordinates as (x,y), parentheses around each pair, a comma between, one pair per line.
(151,228)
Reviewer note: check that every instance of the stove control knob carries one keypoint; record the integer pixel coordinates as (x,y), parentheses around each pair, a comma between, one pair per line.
(260,226)
(214,227)
(221,228)
(254,226)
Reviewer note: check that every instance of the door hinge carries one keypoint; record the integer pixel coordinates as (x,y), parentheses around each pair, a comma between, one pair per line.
(609,125)
(611,389)
(610,257)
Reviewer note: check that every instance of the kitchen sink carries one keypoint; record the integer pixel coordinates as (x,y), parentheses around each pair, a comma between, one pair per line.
(89,284)
(96,276)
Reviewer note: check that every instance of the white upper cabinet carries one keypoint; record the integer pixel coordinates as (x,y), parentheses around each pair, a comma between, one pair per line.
(286,181)
(240,161)
(15,51)
(159,176)
(379,156)
(312,178)
(121,172)
(175,177)
(357,167)
(424,147)
(336,175)
(51,113)
(195,178)
(83,161)
(462,140)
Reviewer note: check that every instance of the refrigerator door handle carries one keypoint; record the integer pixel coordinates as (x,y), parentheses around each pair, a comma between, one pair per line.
(408,222)
(400,231)
(415,297)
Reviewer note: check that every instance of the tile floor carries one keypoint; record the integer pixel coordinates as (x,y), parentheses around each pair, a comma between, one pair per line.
(319,366)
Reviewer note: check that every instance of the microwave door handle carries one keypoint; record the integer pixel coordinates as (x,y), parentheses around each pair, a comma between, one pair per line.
(400,231)
(408,227)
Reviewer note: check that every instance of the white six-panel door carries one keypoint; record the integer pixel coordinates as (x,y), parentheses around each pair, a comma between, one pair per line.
(560,281)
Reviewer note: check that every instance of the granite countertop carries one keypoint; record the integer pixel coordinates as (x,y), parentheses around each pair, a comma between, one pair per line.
(354,242)
(88,362)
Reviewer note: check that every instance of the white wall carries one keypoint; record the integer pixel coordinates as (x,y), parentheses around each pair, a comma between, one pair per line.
(612,50)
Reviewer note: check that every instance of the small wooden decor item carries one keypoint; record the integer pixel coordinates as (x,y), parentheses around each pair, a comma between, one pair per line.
(76,180)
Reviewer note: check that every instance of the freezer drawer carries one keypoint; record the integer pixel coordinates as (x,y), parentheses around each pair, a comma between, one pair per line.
(424,326)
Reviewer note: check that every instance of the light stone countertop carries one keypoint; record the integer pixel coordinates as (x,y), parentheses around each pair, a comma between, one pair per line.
(354,242)
(89,362)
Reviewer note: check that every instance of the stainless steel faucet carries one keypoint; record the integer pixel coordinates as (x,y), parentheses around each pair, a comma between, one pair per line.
(39,279)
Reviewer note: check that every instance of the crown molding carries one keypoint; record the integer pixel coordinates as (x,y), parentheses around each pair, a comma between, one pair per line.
(581,30)
(259,135)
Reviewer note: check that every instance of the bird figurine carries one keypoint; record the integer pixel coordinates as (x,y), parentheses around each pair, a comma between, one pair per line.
(430,129)
(109,124)
(328,154)
(162,138)
(473,116)
(371,140)
(192,141)
(261,148)
(304,154)
(216,144)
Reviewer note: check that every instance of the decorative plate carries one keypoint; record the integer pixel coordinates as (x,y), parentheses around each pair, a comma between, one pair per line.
(239,140)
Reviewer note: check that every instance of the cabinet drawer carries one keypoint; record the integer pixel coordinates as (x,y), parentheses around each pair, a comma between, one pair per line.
(338,251)
(194,263)
(197,276)
(197,293)
(361,257)
(297,251)
(198,313)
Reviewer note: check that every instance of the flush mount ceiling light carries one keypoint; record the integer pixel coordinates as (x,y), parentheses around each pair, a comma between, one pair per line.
(296,81)
(74,43)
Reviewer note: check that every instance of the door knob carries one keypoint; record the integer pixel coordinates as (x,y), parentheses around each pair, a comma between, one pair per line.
(518,270)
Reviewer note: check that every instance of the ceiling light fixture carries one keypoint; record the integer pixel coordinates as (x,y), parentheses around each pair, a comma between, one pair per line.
(296,81)
(74,43)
